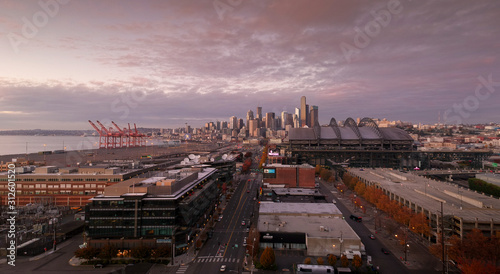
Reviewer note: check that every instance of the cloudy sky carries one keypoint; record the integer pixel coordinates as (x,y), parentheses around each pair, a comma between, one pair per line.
(167,63)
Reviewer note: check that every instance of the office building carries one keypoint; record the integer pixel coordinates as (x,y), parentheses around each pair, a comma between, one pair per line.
(168,209)
(259,114)
(233,122)
(249,117)
(303,112)
(314,116)
(270,120)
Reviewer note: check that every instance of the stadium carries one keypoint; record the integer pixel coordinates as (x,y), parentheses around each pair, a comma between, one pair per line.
(364,136)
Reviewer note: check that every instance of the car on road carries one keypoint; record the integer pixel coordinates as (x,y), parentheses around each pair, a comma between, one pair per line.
(356,218)
(385,251)
(372,236)
(247,230)
(245,241)
(98,266)
(222,268)
(243,222)
(248,190)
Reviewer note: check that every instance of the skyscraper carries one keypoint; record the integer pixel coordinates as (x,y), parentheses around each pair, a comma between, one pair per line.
(303,111)
(296,118)
(314,115)
(284,119)
(270,120)
(308,116)
(233,122)
(249,117)
(259,114)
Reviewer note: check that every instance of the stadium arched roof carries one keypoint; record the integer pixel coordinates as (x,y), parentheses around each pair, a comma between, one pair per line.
(366,133)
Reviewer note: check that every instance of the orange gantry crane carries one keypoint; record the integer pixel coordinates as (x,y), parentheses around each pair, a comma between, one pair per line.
(109,138)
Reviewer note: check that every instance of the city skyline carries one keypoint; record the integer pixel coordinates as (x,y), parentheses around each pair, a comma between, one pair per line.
(164,64)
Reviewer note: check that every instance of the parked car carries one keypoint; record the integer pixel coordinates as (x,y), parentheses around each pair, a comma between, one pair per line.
(372,236)
(385,251)
(222,268)
(243,222)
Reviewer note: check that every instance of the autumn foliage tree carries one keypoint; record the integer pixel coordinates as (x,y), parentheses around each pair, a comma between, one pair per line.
(357,262)
(325,174)
(87,253)
(476,253)
(107,252)
(307,260)
(344,262)
(263,159)
(267,258)
(320,261)
(332,260)
(141,252)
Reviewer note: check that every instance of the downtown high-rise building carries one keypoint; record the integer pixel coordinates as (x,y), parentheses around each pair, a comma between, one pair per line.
(308,116)
(252,127)
(303,112)
(258,115)
(314,115)
(233,122)
(249,117)
(270,124)
(296,118)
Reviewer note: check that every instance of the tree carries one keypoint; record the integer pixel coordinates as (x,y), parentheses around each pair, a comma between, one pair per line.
(87,253)
(360,188)
(267,258)
(254,234)
(141,252)
(344,262)
(317,169)
(476,266)
(307,260)
(332,260)
(163,251)
(320,261)
(419,224)
(357,262)
(325,174)
(107,252)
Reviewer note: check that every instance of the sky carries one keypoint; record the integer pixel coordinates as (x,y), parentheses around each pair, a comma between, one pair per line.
(167,63)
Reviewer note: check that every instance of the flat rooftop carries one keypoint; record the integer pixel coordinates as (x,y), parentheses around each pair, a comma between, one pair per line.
(304,209)
(429,194)
(313,226)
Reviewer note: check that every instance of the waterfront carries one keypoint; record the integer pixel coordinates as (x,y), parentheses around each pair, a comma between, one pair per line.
(19,144)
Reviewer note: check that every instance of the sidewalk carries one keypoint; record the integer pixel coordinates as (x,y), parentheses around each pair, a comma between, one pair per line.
(418,256)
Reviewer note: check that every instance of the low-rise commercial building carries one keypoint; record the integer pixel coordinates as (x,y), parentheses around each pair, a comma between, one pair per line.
(278,175)
(318,228)
(50,185)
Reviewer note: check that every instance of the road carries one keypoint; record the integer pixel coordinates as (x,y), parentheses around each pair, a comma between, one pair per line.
(422,261)
(230,231)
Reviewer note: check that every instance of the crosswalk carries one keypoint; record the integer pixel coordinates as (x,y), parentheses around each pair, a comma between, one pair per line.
(182,269)
(209,259)
(217,260)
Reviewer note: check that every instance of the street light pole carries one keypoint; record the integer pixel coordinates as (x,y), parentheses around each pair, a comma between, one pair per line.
(253,245)
(55,227)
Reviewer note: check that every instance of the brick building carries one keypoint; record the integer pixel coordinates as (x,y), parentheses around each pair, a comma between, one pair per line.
(278,175)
